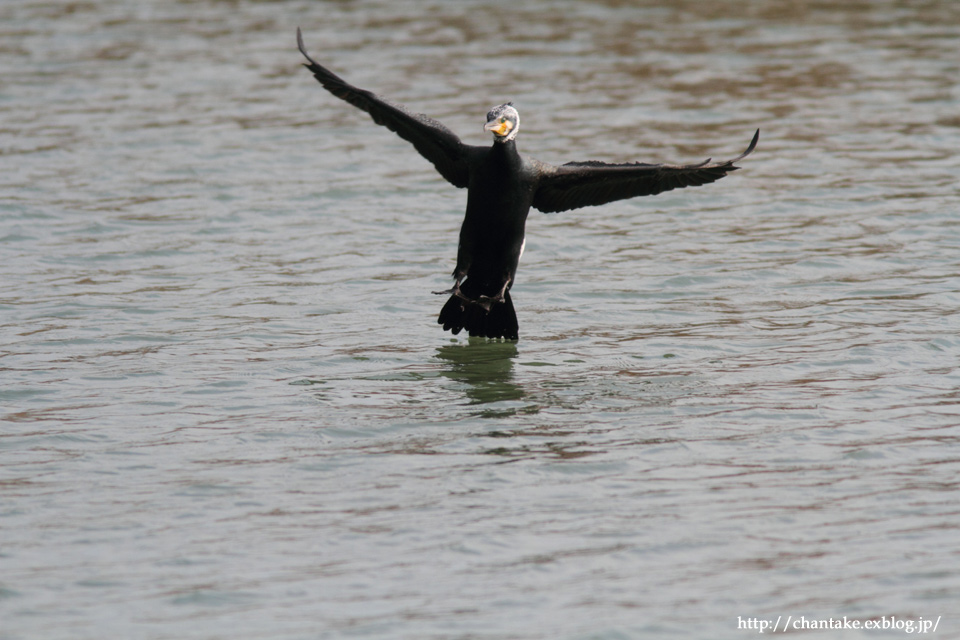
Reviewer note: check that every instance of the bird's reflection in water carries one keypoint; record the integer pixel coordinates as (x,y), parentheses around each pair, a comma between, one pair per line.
(485,367)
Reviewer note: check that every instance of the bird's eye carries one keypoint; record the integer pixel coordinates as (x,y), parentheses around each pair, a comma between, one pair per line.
(502,120)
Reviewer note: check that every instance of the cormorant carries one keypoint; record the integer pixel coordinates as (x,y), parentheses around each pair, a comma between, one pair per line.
(501,187)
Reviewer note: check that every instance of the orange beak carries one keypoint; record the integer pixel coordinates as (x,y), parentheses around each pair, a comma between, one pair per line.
(497,127)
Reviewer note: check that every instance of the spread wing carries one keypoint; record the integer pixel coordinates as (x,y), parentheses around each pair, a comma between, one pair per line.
(435,142)
(582,184)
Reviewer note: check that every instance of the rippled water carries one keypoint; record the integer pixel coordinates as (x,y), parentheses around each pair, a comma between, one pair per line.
(228,411)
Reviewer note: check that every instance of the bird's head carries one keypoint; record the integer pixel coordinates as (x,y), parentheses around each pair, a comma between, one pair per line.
(504,122)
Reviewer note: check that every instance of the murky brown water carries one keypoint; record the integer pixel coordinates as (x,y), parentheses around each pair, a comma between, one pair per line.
(227,410)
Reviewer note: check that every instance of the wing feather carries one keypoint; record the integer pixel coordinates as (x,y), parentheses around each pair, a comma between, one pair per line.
(583,184)
(430,138)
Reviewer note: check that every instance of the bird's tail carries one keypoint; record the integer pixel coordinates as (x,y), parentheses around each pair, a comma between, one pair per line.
(499,322)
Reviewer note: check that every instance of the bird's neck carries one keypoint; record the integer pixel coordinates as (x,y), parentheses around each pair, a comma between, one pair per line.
(506,149)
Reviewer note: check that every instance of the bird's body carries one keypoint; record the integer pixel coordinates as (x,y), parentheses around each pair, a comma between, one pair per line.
(502,186)
(499,196)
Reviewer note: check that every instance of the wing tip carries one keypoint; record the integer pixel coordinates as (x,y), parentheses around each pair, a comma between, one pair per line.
(753,145)
(303,50)
(750,148)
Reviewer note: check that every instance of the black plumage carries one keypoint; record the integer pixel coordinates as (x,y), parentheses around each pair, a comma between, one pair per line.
(501,187)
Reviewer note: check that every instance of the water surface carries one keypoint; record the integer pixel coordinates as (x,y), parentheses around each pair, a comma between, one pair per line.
(228,411)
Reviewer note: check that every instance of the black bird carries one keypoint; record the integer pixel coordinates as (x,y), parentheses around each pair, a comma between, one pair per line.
(501,187)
